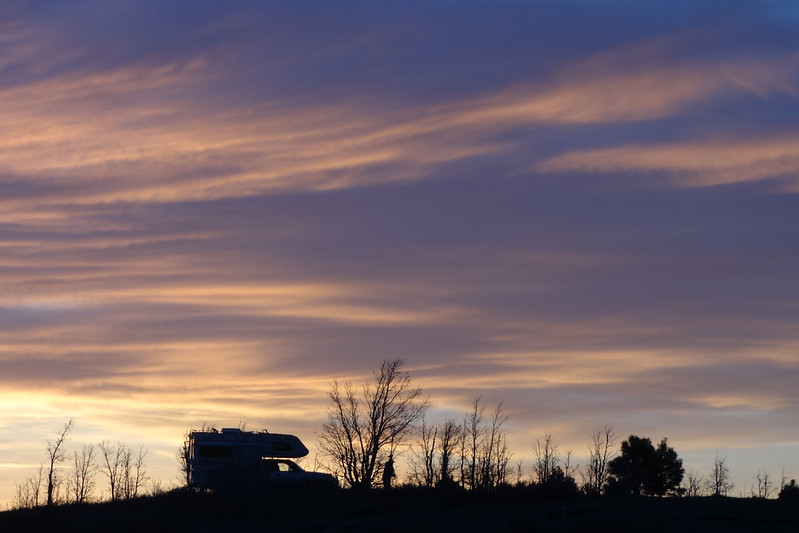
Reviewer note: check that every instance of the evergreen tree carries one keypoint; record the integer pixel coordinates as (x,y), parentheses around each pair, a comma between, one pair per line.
(668,472)
(643,469)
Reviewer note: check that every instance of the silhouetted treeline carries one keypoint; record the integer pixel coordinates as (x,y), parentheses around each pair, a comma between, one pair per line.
(384,419)
(471,454)
(72,478)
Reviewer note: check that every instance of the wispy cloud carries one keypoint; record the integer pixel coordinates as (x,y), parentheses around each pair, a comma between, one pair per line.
(694,164)
(127,134)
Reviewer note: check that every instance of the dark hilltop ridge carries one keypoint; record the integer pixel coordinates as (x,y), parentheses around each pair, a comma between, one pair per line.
(406,509)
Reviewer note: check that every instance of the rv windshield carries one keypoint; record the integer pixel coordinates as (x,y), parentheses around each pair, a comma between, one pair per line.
(281,465)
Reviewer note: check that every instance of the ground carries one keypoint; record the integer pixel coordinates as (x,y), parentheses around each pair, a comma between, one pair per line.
(406,510)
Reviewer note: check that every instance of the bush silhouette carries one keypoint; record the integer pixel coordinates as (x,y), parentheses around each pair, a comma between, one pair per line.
(643,469)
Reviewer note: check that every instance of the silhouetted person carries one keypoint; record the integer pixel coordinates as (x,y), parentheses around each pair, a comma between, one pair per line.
(388,472)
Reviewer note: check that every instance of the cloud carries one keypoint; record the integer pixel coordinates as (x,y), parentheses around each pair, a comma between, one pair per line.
(696,164)
(151,131)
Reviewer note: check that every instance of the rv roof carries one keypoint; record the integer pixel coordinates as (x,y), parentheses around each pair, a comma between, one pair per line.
(272,444)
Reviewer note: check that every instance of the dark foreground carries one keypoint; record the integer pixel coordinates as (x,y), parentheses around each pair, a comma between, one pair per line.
(406,510)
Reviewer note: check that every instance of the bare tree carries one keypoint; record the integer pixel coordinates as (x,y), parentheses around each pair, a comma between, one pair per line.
(601,451)
(56,454)
(764,485)
(23,497)
(155,487)
(81,483)
(495,455)
(36,484)
(546,453)
(361,428)
(134,475)
(125,472)
(720,482)
(471,439)
(568,469)
(450,436)
(422,461)
(696,484)
(28,493)
(553,473)
(112,456)
(518,473)
(484,455)
(183,454)
(184,460)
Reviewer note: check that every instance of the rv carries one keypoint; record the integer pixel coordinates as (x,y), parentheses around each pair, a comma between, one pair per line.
(233,457)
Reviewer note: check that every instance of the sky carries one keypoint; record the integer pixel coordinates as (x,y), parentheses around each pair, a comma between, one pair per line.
(588,211)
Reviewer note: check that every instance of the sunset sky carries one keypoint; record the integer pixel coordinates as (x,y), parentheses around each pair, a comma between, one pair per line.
(586,210)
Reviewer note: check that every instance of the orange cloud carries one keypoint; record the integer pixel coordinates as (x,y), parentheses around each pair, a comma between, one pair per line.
(110,136)
(689,164)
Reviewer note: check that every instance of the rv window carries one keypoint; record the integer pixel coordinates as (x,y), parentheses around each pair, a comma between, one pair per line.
(216,451)
(281,446)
